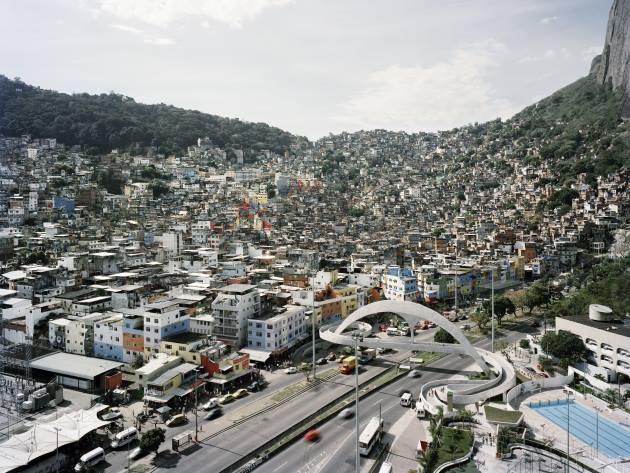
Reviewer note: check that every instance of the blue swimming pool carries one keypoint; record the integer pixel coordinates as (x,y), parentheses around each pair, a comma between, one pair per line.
(612,439)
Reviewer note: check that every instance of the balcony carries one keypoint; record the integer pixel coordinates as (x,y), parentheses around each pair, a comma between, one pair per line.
(623,353)
(607,347)
(591,343)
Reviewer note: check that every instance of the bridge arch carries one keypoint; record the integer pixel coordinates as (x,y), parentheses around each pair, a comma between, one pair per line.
(412,313)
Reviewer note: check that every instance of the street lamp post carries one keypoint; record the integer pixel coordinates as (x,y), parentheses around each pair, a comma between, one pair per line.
(57,450)
(492,303)
(356,337)
(568,429)
(313,330)
(196,404)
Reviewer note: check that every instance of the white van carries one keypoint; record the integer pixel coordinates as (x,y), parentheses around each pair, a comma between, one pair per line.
(406,399)
(91,458)
(386,467)
(124,437)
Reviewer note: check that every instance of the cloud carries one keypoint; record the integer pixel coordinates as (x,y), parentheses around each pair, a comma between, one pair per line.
(436,97)
(549,19)
(164,12)
(549,54)
(146,37)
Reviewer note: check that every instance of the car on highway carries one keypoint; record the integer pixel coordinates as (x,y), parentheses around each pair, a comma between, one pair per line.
(226,398)
(213,413)
(214,402)
(321,361)
(346,413)
(312,435)
(178,419)
(414,374)
(290,370)
(239,393)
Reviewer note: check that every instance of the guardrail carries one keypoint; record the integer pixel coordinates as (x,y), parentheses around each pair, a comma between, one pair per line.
(457,461)
(543,383)
(536,447)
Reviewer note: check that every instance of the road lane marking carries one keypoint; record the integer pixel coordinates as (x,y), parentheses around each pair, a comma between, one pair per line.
(281,466)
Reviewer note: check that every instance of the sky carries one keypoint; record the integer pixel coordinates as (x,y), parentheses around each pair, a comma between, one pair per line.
(311,67)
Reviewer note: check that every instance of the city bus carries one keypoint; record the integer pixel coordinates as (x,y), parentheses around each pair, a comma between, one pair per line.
(370,436)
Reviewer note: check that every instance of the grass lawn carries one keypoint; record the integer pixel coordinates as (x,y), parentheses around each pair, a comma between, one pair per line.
(502,416)
(455,443)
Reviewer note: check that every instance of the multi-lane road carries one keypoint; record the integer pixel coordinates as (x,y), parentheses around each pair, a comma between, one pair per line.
(335,451)
(223,442)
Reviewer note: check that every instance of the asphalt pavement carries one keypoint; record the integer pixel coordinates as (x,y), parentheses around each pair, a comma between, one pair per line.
(222,442)
(335,451)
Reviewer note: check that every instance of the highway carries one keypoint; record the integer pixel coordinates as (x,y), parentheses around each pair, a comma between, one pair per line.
(335,451)
(222,442)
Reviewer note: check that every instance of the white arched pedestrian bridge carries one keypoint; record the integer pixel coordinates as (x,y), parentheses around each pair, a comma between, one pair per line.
(465,391)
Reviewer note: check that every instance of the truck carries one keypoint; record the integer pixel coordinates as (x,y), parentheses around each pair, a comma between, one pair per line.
(367,355)
(348,365)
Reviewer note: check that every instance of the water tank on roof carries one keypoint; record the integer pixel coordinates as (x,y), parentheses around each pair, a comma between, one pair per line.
(600,313)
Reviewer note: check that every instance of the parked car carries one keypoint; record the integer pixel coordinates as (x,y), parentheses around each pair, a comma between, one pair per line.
(414,374)
(226,398)
(321,361)
(239,393)
(346,413)
(214,402)
(214,413)
(113,414)
(136,453)
(331,356)
(254,386)
(178,419)
(291,370)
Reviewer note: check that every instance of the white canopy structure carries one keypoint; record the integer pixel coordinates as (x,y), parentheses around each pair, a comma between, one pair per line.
(21,449)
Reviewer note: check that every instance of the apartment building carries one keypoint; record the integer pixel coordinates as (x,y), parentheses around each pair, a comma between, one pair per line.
(279,332)
(400,284)
(162,319)
(108,337)
(231,308)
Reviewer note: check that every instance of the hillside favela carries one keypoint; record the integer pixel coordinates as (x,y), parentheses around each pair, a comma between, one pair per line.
(367,237)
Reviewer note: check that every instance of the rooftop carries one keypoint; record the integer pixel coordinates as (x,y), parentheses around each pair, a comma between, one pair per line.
(237,288)
(79,366)
(615,326)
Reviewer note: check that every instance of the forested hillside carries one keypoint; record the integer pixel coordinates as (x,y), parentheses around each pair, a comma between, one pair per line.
(106,121)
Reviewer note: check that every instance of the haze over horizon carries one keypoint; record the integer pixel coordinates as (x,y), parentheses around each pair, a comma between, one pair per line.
(400,65)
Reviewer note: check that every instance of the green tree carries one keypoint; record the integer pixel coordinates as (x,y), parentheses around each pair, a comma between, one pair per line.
(536,296)
(563,345)
(481,318)
(152,439)
(442,336)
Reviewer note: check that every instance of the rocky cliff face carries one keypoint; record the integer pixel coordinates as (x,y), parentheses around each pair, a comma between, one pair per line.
(613,65)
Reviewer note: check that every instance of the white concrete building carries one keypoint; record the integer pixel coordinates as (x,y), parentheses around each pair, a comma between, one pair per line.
(232,307)
(202,324)
(277,333)
(607,339)
(162,319)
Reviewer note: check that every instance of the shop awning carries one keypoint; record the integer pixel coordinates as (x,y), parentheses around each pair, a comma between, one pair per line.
(256,355)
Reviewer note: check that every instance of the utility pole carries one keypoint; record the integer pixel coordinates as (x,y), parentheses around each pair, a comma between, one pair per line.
(492,298)
(568,429)
(196,404)
(356,399)
(57,450)
(313,330)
